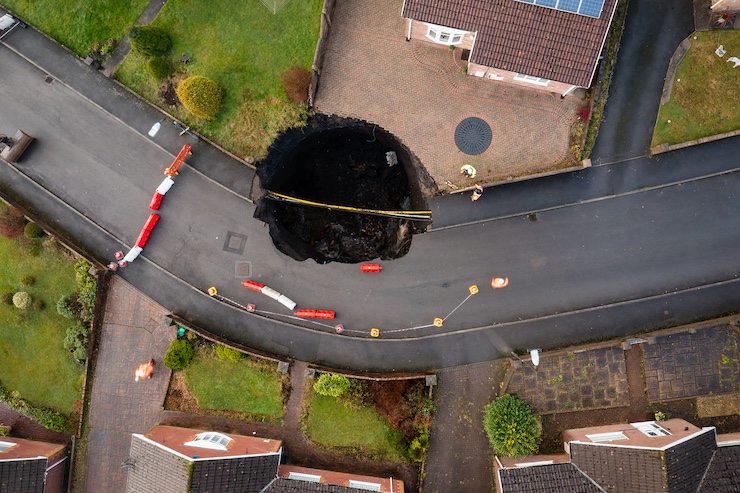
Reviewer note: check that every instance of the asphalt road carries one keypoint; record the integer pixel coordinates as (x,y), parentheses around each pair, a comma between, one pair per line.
(613,250)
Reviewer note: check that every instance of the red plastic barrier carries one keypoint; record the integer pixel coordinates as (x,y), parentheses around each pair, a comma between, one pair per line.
(142,239)
(327,314)
(254,286)
(156,201)
(151,222)
(370,268)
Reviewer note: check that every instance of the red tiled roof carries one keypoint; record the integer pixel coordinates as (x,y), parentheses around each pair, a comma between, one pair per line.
(523,38)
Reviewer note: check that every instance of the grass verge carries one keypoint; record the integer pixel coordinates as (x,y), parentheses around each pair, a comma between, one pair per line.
(705,99)
(77,24)
(361,431)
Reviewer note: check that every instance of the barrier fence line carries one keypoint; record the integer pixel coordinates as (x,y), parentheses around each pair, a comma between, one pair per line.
(418,215)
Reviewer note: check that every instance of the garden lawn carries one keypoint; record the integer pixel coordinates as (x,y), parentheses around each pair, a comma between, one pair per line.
(706,101)
(246,386)
(332,424)
(78,24)
(34,361)
(245,48)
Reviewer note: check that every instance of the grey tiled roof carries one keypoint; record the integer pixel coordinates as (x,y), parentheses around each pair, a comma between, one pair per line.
(553,478)
(724,472)
(22,476)
(241,475)
(155,469)
(523,38)
(284,485)
(687,462)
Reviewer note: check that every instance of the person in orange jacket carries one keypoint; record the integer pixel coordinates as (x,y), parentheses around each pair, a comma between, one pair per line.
(477,192)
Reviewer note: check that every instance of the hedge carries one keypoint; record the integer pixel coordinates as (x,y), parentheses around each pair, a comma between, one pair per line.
(512,427)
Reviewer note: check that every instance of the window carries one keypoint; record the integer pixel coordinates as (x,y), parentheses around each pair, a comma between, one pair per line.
(362,485)
(304,477)
(6,445)
(606,437)
(210,440)
(531,79)
(651,429)
(445,35)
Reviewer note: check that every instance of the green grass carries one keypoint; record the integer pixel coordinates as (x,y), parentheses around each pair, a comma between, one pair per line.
(34,362)
(78,24)
(247,386)
(706,101)
(333,425)
(244,48)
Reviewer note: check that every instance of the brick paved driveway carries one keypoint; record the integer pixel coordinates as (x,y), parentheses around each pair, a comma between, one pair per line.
(416,91)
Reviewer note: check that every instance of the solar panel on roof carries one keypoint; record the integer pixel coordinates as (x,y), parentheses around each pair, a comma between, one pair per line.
(589,8)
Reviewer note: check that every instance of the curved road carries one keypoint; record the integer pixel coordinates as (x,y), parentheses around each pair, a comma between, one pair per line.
(607,251)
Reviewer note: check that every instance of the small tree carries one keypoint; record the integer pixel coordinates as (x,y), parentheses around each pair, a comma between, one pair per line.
(12,222)
(158,68)
(229,354)
(33,231)
(332,385)
(512,427)
(76,341)
(22,300)
(200,96)
(179,354)
(149,41)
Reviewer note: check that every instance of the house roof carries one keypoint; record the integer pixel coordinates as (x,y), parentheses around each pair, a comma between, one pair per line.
(724,471)
(677,468)
(523,38)
(23,476)
(552,478)
(342,478)
(284,485)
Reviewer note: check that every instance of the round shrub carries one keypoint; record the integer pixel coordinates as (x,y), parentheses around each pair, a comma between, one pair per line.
(149,41)
(332,385)
(179,354)
(22,300)
(33,231)
(200,96)
(76,341)
(28,280)
(229,354)
(512,427)
(7,298)
(68,307)
(158,68)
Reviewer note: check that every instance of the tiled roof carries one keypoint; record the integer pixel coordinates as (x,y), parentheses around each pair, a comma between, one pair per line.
(553,478)
(687,462)
(523,38)
(155,469)
(238,475)
(284,485)
(724,471)
(22,476)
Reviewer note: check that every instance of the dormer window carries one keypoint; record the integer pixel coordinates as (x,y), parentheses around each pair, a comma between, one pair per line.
(210,440)
(300,476)
(607,437)
(444,35)
(651,429)
(364,485)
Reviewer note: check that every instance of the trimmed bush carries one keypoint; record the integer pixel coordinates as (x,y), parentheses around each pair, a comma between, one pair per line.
(76,341)
(296,82)
(179,354)
(229,354)
(149,41)
(68,307)
(4,430)
(200,96)
(22,300)
(158,68)
(28,280)
(332,385)
(512,427)
(48,418)
(33,231)
(7,298)
(12,222)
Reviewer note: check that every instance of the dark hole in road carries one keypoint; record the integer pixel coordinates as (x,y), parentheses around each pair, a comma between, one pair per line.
(339,162)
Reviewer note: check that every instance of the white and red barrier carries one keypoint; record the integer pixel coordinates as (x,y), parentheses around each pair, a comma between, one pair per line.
(269,292)
(326,314)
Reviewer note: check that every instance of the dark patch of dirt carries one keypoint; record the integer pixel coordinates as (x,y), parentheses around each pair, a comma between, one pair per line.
(400,402)
(168,94)
(339,162)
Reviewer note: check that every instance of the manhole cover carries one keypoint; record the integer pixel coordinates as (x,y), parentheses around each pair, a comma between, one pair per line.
(473,136)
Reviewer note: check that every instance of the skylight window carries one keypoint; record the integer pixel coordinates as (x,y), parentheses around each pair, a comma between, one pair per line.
(210,440)
(607,437)
(651,429)
(6,445)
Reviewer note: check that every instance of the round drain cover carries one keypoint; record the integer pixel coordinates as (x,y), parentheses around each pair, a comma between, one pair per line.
(473,136)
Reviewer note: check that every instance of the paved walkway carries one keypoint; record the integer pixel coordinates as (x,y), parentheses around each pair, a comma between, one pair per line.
(367,54)
(132,333)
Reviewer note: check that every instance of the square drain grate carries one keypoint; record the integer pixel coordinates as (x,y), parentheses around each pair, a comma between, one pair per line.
(235,242)
(243,269)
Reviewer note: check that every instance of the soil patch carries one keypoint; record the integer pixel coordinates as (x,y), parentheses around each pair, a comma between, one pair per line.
(168,95)
(339,162)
